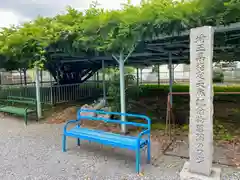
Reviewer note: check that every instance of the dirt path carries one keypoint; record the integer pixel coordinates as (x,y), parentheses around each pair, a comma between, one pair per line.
(34,152)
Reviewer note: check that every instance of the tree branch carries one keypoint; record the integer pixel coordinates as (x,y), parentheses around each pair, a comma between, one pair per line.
(129,54)
(114,57)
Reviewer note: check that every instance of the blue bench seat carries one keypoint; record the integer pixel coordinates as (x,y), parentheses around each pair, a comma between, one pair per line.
(135,143)
(108,138)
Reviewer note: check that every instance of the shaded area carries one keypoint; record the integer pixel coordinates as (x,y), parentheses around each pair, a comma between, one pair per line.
(70,69)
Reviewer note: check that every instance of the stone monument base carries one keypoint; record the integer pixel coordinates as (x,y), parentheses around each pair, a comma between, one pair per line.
(185,174)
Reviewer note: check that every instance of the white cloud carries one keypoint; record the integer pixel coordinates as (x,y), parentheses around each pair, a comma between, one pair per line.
(115,4)
(8,18)
(17,11)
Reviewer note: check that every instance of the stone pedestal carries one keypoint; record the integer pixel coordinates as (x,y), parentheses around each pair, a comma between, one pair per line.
(185,174)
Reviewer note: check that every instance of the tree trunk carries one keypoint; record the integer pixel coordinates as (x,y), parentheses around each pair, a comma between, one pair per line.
(25,76)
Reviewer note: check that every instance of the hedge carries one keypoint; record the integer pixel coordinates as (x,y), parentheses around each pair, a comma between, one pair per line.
(185,88)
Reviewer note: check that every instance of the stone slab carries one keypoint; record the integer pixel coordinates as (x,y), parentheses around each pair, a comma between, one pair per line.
(201,100)
(185,174)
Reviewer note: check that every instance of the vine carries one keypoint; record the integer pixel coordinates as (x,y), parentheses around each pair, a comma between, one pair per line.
(109,31)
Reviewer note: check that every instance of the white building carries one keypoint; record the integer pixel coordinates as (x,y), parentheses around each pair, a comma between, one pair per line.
(181,72)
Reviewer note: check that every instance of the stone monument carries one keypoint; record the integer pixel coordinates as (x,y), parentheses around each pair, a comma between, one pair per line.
(199,166)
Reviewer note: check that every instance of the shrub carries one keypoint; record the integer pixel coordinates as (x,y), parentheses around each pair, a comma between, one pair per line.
(147,89)
(218,76)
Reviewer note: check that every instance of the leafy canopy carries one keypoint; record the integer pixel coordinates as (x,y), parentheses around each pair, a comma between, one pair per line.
(108,31)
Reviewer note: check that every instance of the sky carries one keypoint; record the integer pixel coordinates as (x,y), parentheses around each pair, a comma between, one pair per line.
(18,11)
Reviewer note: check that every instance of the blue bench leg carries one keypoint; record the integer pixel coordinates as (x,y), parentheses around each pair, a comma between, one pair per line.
(64,143)
(78,141)
(138,159)
(148,152)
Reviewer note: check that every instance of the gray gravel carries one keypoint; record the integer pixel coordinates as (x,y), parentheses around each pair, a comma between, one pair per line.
(34,153)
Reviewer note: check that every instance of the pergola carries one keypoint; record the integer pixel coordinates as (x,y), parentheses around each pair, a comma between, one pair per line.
(157,51)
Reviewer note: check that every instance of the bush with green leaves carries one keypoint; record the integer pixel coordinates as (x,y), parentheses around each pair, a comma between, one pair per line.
(218,76)
(131,89)
(147,89)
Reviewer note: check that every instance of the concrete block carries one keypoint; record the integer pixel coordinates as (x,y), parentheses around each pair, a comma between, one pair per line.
(185,174)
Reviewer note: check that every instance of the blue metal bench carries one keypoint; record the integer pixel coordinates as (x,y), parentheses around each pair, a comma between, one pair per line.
(108,138)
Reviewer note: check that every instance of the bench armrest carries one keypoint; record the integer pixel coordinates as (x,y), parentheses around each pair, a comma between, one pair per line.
(26,109)
(141,134)
(147,131)
(70,122)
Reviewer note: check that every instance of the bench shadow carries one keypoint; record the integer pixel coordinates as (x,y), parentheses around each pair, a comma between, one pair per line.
(106,152)
(19,119)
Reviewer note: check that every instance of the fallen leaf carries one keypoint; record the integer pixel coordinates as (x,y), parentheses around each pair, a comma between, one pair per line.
(171,165)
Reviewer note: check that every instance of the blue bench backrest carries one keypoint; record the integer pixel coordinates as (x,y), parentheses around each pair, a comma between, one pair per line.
(117,121)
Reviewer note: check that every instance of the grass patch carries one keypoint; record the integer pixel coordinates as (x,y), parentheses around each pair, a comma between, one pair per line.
(158,126)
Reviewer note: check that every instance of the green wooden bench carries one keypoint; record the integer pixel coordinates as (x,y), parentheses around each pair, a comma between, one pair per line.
(20,106)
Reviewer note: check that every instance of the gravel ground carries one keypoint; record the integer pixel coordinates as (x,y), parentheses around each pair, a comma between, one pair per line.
(34,153)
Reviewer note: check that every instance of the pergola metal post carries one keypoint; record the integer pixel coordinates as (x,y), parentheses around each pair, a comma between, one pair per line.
(51,89)
(25,76)
(158,74)
(170,77)
(103,82)
(97,74)
(20,73)
(169,110)
(1,75)
(41,77)
(141,75)
(173,73)
(137,76)
(38,98)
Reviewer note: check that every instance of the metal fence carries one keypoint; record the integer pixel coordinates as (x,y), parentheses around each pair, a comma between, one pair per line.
(16,84)
(54,94)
